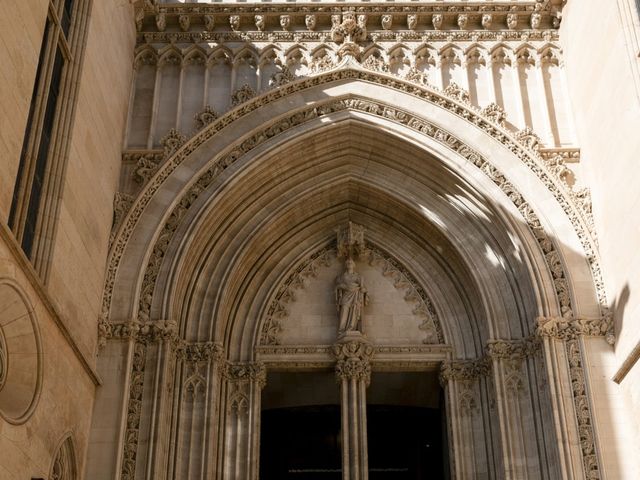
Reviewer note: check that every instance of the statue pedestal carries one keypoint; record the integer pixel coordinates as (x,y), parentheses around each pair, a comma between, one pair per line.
(353,369)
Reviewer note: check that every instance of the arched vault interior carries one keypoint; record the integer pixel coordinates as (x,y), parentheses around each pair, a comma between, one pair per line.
(266,213)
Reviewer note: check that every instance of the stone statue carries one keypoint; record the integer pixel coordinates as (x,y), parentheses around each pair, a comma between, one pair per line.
(351,297)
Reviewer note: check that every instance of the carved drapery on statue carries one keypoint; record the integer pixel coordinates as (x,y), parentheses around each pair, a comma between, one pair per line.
(351,297)
(351,294)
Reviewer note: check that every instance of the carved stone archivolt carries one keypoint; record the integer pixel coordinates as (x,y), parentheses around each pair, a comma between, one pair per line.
(527,155)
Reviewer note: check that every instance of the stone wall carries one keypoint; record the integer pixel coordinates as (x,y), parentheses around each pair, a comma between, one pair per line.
(64,307)
(19,49)
(86,212)
(600,63)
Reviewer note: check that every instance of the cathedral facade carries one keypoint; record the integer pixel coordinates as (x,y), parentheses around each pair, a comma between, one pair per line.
(320,240)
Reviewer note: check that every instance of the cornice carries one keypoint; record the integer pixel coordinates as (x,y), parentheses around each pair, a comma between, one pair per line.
(176,22)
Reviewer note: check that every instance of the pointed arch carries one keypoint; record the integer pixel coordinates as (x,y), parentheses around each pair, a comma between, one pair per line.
(65,466)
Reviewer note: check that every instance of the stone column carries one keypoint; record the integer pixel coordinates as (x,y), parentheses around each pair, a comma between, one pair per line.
(197,396)
(562,340)
(244,383)
(507,361)
(460,379)
(353,369)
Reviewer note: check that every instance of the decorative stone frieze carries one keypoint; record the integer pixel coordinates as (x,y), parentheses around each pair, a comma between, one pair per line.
(419,19)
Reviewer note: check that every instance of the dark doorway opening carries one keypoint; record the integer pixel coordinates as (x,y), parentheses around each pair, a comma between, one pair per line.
(300,427)
(301,443)
(405,443)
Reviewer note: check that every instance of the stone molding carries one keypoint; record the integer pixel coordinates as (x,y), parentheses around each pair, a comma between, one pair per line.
(274,22)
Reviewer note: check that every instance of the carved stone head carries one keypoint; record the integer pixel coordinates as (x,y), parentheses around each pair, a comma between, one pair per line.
(234,22)
(463,20)
(437,21)
(487,19)
(310,21)
(260,22)
(412,21)
(536,18)
(285,21)
(387,20)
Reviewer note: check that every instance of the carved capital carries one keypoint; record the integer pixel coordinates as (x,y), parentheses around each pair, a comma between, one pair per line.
(570,328)
(463,370)
(202,352)
(353,360)
(246,373)
(512,349)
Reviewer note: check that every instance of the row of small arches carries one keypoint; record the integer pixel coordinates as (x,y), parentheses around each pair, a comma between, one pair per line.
(172,86)
(172,55)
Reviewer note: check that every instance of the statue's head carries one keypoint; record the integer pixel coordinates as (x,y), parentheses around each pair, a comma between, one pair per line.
(350,264)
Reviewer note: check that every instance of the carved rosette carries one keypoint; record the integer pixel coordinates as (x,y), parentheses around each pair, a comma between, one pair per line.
(353,360)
